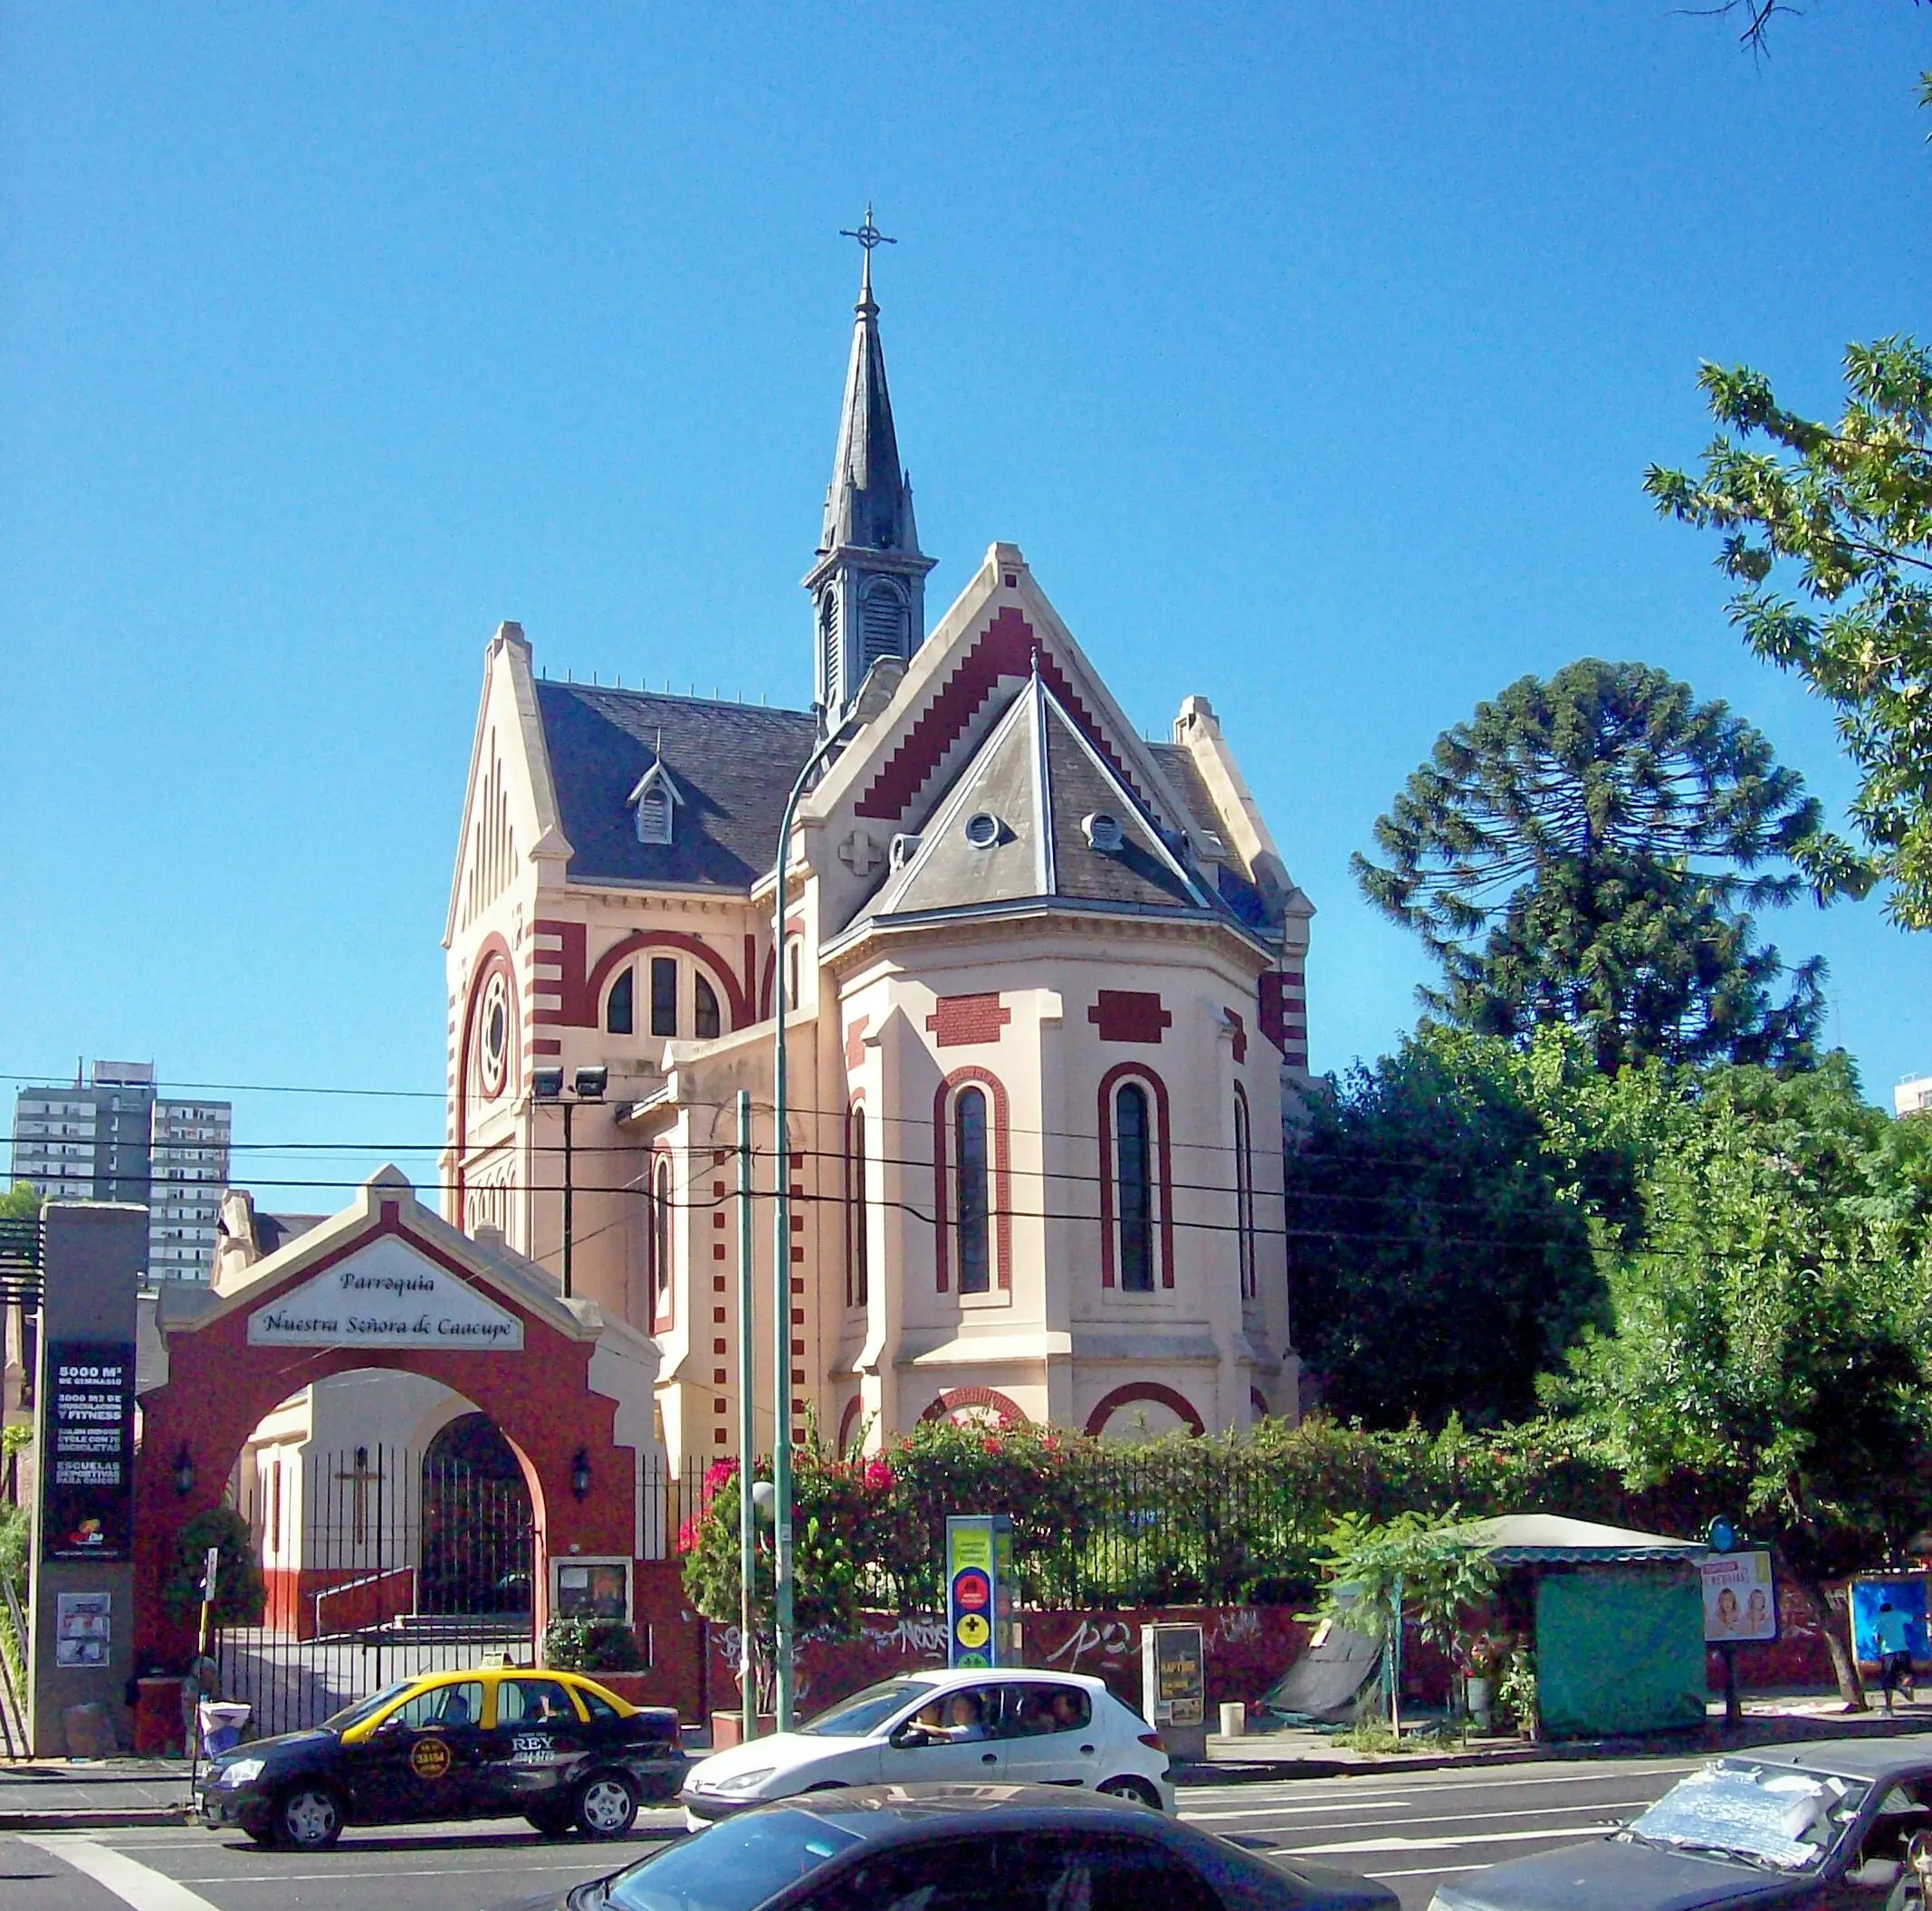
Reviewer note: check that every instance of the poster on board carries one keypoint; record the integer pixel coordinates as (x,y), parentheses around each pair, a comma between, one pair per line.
(87,1487)
(83,1628)
(1740,1600)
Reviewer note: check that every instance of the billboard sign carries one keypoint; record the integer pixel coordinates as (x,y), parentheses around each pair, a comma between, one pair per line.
(1740,1600)
(87,1491)
(979,1588)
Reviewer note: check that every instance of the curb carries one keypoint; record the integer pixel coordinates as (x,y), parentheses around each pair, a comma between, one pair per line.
(1265,1771)
(106,1818)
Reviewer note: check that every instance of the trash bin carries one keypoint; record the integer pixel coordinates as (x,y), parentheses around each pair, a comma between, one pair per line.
(221,1725)
(1234,1719)
(157,1716)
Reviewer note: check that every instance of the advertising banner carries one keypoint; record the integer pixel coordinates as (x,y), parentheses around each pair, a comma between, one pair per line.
(978,1593)
(1740,1601)
(86,1485)
(83,1628)
(1907,1596)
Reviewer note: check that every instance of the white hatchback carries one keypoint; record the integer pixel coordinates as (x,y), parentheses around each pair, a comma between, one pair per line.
(1016,1729)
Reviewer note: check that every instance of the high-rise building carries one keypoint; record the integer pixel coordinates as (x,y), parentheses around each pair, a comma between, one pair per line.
(115,1139)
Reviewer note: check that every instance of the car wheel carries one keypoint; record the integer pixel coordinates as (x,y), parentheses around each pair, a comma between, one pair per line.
(606,1805)
(1136,1789)
(308,1817)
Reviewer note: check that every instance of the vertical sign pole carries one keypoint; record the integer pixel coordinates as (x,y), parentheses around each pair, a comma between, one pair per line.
(210,1567)
(747,1428)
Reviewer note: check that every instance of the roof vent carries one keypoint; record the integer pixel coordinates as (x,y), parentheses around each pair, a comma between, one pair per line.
(905,848)
(1102,832)
(983,830)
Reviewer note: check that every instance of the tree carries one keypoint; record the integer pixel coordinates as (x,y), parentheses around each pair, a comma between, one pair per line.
(1768,1337)
(1846,509)
(21,1202)
(1441,1251)
(1586,853)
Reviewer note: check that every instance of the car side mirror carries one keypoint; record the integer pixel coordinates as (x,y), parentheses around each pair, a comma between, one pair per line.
(1876,1873)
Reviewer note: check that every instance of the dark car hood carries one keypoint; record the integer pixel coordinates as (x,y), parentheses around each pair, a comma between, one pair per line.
(1328,1887)
(282,1746)
(1624,1873)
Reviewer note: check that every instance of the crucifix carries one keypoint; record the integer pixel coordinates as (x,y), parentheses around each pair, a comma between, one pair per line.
(361,1479)
(868,236)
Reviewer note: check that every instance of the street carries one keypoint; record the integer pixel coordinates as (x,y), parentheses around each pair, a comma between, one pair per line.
(1410,1829)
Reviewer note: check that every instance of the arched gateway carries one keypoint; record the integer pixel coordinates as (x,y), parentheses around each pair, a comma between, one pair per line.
(386,1284)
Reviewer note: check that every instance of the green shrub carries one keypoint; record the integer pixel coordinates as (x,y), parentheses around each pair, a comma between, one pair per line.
(239,1593)
(592,1645)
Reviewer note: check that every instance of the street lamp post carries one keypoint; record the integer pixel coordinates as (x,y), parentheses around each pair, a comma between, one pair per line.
(874,694)
(546,1087)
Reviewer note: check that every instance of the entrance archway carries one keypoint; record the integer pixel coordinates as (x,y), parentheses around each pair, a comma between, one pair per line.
(478,1525)
(388,1284)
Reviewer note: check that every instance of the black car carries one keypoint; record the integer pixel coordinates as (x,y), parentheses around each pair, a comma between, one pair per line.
(963,1848)
(1822,1826)
(552,1747)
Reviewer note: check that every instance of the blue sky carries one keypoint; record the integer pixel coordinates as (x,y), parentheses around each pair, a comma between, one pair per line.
(1313,354)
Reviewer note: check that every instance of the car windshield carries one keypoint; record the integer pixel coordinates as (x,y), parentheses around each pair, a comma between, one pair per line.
(1764,1814)
(733,1865)
(364,1708)
(866,1711)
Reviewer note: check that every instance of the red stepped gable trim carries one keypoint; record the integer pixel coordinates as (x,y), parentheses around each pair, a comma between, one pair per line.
(959,1020)
(1129,1015)
(1006,649)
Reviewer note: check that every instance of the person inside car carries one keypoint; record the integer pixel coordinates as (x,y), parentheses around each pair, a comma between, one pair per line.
(963,1720)
(454,1709)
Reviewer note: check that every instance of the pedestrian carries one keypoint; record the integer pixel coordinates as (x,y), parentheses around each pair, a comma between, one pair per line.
(1892,1631)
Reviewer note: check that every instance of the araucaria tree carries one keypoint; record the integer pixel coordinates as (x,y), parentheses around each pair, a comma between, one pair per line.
(1586,850)
(1845,510)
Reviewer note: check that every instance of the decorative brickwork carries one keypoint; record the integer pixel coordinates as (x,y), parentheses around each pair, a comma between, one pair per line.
(1129,1015)
(958,1019)
(1153,1392)
(1006,649)
(959,1399)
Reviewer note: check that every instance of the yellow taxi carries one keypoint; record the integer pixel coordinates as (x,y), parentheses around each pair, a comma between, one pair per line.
(494,1742)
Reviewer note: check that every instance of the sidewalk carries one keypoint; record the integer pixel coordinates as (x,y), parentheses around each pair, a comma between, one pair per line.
(1770,1718)
(91,1794)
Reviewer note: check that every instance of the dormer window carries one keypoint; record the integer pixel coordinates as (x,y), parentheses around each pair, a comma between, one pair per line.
(655,800)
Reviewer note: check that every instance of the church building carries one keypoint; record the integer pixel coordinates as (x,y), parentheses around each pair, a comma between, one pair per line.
(1042,989)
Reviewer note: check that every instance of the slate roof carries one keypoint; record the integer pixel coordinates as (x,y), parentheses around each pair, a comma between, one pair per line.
(1040,778)
(1236,890)
(733,764)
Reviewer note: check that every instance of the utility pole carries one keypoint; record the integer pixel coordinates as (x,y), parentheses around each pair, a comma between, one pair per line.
(747,1428)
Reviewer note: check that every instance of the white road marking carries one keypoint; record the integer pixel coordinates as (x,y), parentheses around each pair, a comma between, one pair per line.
(1442,1844)
(128,1878)
(1337,1804)
(1461,1818)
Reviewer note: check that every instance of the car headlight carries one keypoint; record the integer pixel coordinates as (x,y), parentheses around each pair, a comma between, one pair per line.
(241,1771)
(745,1781)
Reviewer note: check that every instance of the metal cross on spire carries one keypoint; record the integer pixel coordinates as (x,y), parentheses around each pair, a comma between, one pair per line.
(868,236)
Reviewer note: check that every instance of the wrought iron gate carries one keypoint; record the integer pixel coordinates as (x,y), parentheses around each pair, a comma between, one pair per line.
(378,1566)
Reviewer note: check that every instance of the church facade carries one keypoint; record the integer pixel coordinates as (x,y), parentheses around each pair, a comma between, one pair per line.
(1041,983)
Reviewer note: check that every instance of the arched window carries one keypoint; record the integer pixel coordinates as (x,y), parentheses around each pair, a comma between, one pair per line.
(882,616)
(971,1215)
(857,1283)
(664,994)
(704,1017)
(1133,1185)
(620,1006)
(1244,1196)
(791,973)
(660,1242)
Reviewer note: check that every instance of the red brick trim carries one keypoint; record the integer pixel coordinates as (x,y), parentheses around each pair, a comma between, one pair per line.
(1154,1391)
(1130,1014)
(1283,1008)
(856,1043)
(491,954)
(568,984)
(954,1399)
(593,991)
(958,1020)
(846,1421)
(1163,1173)
(1241,1035)
(941,1173)
(1006,649)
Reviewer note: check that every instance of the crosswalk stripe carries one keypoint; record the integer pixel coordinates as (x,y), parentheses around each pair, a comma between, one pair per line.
(1443,1844)
(128,1878)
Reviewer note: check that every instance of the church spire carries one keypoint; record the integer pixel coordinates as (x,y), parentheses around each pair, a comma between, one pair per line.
(868,579)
